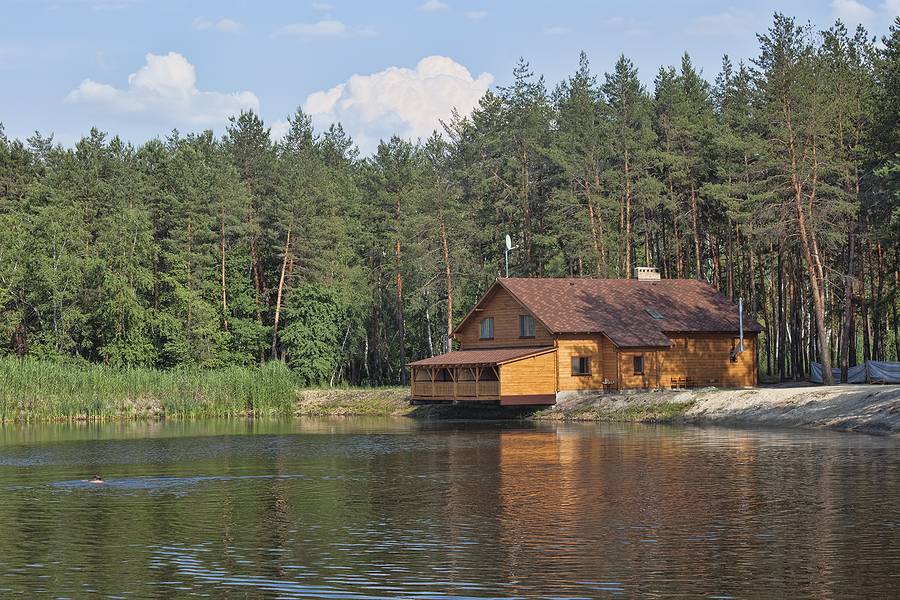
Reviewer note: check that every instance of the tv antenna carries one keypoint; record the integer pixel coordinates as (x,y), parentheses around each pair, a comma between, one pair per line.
(509,247)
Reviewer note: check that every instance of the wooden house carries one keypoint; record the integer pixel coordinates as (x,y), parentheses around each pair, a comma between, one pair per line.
(529,340)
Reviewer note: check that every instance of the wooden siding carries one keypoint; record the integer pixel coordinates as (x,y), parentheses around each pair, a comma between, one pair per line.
(649,379)
(705,358)
(534,375)
(610,364)
(702,357)
(592,346)
(505,310)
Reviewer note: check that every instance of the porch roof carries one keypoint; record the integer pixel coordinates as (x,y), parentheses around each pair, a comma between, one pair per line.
(485,356)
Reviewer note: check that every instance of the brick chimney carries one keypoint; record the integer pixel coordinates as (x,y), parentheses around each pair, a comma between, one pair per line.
(646,273)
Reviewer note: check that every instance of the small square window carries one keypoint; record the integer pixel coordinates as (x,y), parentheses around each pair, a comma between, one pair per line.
(638,364)
(526,326)
(486,329)
(581,365)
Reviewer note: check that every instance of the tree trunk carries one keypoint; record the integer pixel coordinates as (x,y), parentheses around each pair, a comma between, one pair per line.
(284,263)
(848,300)
(224,302)
(445,339)
(815,283)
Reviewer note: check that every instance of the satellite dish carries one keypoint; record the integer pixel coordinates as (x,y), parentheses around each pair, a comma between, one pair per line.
(508,243)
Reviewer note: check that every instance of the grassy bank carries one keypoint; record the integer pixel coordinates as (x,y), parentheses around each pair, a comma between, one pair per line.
(659,412)
(47,391)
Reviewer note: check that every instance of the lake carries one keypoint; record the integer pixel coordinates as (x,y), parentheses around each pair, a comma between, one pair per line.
(371,508)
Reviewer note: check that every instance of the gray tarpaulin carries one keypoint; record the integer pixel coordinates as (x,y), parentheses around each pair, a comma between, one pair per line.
(873,370)
(887,371)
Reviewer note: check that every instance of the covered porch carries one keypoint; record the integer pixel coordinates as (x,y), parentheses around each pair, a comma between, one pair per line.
(473,377)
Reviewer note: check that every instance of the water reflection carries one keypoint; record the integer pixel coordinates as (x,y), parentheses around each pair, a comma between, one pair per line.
(384,508)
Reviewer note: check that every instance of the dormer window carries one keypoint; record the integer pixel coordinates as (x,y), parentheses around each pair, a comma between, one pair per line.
(486,329)
(526,326)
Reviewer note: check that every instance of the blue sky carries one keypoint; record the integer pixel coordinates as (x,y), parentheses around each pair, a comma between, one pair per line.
(139,68)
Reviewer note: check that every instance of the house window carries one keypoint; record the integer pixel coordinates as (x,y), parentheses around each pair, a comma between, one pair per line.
(638,364)
(581,365)
(526,326)
(486,329)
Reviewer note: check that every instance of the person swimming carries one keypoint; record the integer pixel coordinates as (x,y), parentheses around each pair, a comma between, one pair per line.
(96,479)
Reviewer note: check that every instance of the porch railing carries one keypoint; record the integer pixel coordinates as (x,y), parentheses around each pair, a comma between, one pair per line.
(463,389)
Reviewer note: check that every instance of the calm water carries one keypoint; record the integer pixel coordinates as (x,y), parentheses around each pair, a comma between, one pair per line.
(392,508)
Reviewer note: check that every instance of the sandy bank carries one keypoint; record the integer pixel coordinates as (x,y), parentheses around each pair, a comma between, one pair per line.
(872,409)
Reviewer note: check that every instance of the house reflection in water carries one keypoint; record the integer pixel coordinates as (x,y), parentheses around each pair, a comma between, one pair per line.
(557,495)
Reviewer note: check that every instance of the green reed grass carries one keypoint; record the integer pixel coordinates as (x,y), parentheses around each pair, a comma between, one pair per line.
(32,390)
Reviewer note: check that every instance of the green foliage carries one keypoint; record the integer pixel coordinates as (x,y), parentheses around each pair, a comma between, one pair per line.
(196,254)
(70,390)
(313,339)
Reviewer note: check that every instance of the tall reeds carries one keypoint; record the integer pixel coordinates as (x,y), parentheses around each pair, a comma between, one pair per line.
(37,390)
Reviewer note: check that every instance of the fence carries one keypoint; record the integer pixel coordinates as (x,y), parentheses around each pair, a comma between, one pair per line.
(872,371)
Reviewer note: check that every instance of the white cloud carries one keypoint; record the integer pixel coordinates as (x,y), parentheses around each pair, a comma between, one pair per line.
(408,102)
(556,31)
(891,8)
(101,61)
(322,29)
(278,130)
(433,5)
(226,25)
(164,90)
(735,21)
(628,26)
(477,14)
(229,26)
(322,6)
(851,13)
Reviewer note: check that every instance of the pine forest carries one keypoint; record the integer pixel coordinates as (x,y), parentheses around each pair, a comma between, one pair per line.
(778,182)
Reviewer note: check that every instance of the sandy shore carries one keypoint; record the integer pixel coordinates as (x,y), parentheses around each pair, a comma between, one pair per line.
(872,409)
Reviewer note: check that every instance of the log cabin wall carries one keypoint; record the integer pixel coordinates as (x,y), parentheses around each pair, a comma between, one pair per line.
(702,357)
(531,376)
(610,363)
(505,310)
(571,345)
(706,358)
(649,378)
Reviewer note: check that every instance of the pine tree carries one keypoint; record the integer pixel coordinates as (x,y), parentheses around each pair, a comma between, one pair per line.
(629,178)
(799,159)
(579,145)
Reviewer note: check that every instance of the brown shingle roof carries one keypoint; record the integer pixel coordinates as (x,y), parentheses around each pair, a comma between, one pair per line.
(479,357)
(618,308)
